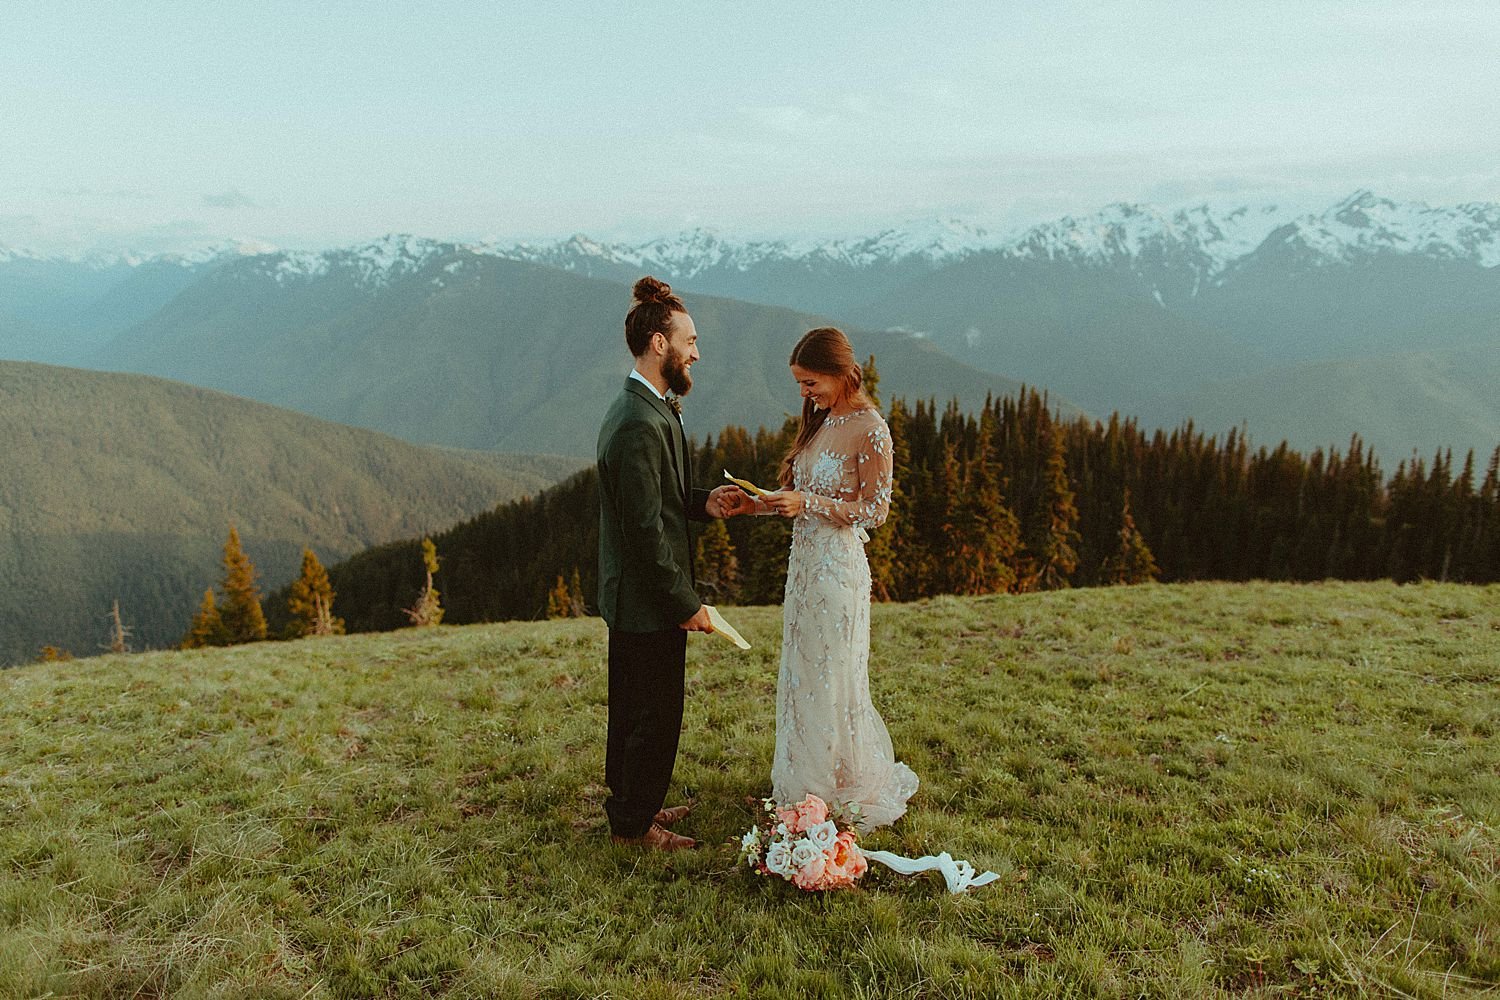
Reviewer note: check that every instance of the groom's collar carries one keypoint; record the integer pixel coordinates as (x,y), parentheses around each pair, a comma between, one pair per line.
(643,380)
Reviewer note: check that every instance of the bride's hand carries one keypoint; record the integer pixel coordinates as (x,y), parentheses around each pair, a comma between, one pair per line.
(729,501)
(787,503)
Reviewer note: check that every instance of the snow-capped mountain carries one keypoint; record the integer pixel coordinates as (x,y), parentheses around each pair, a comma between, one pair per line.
(695,252)
(1176,251)
(1364,225)
(1194,237)
(370,265)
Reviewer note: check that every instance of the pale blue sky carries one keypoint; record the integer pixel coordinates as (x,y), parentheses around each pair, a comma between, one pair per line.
(154,124)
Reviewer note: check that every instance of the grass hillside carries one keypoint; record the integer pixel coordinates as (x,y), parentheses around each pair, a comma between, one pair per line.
(122,486)
(477,352)
(1189,791)
(1397,403)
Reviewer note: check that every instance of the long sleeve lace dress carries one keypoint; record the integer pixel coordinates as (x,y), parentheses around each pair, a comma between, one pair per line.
(830,740)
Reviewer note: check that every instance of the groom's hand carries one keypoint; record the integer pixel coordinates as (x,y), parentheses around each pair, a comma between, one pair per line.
(728,501)
(699,622)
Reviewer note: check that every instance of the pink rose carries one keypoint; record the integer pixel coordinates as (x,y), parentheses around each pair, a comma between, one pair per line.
(847,856)
(805,814)
(811,874)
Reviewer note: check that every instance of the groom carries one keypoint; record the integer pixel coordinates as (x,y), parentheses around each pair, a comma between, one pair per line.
(646,582)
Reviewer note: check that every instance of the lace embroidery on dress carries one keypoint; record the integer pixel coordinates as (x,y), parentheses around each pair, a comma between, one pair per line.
(830,740)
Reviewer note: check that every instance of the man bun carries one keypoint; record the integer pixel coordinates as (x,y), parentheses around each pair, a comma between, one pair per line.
(651,290)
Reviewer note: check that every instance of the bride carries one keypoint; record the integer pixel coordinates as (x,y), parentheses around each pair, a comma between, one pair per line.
(835,486)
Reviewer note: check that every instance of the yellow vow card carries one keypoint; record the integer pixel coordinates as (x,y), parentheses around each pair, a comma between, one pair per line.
(722,627)
(746,485)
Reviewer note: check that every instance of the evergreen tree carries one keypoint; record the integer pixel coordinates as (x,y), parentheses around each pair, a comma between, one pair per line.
(576,602)
(241,612)
(870,382)
(559,601)
(310,604)
(718,566)
(769,543)
(887,543)
(1488,546)
(1132,561)
(1057,558)
(207,628)
(428,610)
(980,551)
(920,505)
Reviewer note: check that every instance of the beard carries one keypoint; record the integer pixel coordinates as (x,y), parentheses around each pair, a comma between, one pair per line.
(675,370)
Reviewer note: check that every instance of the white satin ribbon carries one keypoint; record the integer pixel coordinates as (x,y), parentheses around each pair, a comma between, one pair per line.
(958,874)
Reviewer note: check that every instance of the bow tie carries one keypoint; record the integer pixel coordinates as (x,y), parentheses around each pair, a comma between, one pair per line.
(675,402)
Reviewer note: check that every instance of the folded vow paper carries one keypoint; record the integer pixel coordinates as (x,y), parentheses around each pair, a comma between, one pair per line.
(746,485)
(725,629)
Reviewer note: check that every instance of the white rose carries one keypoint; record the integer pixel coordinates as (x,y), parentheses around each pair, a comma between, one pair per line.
(779,859)
(804,851)
(824,835)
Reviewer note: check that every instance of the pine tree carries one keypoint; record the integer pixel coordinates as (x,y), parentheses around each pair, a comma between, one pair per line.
(1132,561)
(559,601)
(429,609)
(1057,557)
(881,552)
(576,600)
(310,603)
(988,536)
(718,565)
(241,612)
(917,503)
(870,382)
(763,580)
(207,628)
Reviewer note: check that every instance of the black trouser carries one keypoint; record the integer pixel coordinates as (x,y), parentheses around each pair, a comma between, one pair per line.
(645,719)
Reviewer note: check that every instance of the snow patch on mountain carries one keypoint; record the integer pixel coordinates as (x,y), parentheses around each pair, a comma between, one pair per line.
(1201,241)
(1198,238)
(371,266)
(1364,224)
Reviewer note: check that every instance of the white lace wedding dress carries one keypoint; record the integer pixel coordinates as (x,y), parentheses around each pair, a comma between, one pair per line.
(830,740)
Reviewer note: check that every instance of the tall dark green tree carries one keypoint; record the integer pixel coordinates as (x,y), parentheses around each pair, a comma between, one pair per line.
(1056,557)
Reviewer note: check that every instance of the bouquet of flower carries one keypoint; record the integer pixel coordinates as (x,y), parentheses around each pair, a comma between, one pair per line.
(803,844)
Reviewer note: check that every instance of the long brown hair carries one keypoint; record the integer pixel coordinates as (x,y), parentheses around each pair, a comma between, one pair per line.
(651,312)
(825,351)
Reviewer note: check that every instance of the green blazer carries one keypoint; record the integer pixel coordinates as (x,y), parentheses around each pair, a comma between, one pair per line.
(646,581)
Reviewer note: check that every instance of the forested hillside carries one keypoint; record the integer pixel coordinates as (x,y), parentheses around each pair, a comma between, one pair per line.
(1011,499)
(124,487)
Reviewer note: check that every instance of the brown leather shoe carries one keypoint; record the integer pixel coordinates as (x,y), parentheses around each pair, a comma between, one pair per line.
(658,838)
(673,814)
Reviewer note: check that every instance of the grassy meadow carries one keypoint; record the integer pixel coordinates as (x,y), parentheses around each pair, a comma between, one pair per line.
(1205,790)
